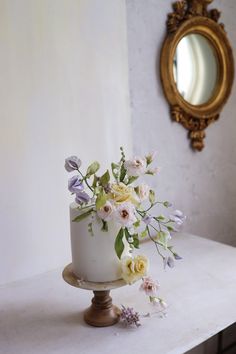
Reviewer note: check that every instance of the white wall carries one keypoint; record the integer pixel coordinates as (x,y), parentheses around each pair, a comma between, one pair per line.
(63,91)
(202,184)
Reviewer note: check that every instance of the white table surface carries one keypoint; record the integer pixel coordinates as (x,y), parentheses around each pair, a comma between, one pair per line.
(44,315)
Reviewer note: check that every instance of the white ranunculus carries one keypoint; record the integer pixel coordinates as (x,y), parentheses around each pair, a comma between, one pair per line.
(143,191)
(106,211)
(124,214)
(135,167)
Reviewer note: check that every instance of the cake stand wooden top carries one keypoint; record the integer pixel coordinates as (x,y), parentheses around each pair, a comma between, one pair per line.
(73,280)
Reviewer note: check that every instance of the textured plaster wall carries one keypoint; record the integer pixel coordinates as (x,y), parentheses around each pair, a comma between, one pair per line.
(202,184)
(64,90)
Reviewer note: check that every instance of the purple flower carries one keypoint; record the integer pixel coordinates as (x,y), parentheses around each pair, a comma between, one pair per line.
(178,213)
(177,257)
(168,261)
(72,163)
(82,197)
(177,220)
(75,184)
(147,219)
(178,217)
(129,316)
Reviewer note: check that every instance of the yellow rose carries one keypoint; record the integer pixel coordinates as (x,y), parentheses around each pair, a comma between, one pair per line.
(134,269)
(141,263)
(121,193)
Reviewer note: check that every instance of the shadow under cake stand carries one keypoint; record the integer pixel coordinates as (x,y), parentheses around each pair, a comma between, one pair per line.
(102,312)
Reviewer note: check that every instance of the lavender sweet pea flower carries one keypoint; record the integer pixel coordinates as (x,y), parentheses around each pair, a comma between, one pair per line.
(178,217)
(177,220)
(177,257)
(178,213)
(82,197)
(75,184)
(147,219)
(72,163)
(168,261)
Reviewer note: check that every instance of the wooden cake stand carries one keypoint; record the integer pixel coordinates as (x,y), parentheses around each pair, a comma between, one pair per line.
(102,312)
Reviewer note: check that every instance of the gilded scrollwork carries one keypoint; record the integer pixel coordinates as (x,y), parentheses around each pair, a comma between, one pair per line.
(195,126)
(184,10)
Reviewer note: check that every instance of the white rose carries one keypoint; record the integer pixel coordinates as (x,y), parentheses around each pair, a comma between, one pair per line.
(143,191)
(125,214)
(135,167)
(106,211)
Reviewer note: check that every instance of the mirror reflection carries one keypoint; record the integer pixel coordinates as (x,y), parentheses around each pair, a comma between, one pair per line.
(195,69)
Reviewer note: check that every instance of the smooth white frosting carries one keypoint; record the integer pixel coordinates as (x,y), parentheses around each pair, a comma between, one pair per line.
(94,257)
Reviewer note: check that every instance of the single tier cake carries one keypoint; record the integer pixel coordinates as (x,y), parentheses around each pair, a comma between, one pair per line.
(93,256)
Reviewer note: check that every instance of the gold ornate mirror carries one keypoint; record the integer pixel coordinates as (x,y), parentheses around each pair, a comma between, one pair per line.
(197,67)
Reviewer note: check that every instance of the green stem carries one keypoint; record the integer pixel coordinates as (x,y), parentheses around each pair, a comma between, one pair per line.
(158,251)
(155,228)
(86,207)
(85,180)
(145,211)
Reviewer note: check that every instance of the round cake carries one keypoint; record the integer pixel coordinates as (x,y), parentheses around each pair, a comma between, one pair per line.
(93,254)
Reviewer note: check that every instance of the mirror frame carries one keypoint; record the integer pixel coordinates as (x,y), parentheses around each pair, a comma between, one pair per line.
(189,17)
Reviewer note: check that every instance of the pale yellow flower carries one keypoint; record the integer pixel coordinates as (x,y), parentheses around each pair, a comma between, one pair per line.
(134,269)
(121,193)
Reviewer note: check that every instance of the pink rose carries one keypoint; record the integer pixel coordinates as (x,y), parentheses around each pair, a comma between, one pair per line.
(149,286)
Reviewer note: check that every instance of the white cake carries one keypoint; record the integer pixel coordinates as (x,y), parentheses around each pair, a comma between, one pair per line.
(94,257)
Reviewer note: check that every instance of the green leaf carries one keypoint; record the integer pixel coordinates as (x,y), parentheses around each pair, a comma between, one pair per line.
(92,169)
(105,178)
(159,218)
(127,234)
(119,245)
(82,216)
(132,179)
(149,159)
(170,228)
(149,172)
(95,181)
(101,200)
(98,190)
(114,167)
(122,172)
(152,196)
(144,233)
(136,241)
(104,226)
(137,223)
(162,238)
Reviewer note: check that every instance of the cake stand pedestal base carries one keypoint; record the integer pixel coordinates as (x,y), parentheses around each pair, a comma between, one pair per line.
(102,312)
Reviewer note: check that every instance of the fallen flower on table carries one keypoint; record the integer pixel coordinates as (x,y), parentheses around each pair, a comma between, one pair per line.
(129,316)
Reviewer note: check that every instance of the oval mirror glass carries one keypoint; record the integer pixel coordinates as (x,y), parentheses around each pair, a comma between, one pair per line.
(195,69)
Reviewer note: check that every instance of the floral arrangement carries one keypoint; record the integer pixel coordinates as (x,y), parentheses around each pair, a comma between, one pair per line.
(116,195)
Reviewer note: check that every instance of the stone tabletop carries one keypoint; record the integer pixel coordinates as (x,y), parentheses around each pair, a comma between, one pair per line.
(44,315)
